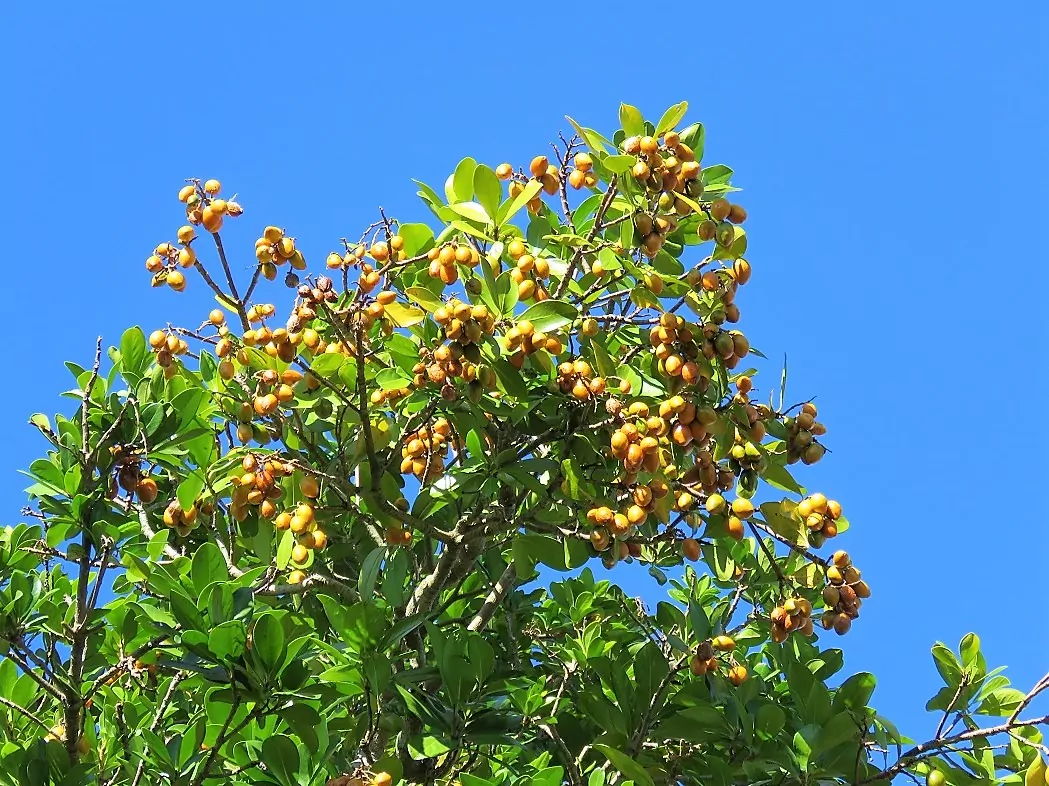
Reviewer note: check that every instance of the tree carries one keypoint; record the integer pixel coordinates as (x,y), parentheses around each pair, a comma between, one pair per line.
(357,541)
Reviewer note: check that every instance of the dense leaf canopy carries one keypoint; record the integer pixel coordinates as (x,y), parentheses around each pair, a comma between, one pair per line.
(365,534)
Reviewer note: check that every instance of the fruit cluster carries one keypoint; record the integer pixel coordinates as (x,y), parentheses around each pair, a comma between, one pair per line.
(166,258)
(820,515)
(382,251)
(638,504)
(793,614)
(651,232)
(843,594)
(631,444)
(721,215)
(167,346)
(546,173)
(464,323)
(257,484)
(444,258)
(182,521)
(576,377)
(707,474)
(273,389)
(683,423)
(529,272)
(379,397)
(704,660)
(309,298)
(204,207)
(424,451)
(675,347)
(523,340)
(274,249)
(735,513)
(667,167)
(729,345)
(398,535)
(582,174)
(802,431)
(129,474)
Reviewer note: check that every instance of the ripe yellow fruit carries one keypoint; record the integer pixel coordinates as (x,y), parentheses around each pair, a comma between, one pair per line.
(737,675)
(743,508)
(296,577)
(212,187)
(309,487)
(176,280)
(716,504)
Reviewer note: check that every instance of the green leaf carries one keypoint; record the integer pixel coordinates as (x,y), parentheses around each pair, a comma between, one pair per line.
(393,379)
(189,489)
(695,137)
(631,120)
(1036,773)
(487,189)
(281,757)
(424,297)
(619,164)
(970,650)
(404,316)
(716,174)
(779,476)
(530,549)
(790,527)
(549,315)
(946,664)
(671,117)
(472,211)
(626,765)
(227,641)
(417,238)
(593,139)
(769,721)
(284,548)
(466,779)
(856,691)
(370,572)
(267,639)
(509,210)
(326,364)
(134,356)
(460,185)
(208,566)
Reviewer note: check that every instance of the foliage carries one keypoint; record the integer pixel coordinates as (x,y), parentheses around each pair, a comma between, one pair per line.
(363,544)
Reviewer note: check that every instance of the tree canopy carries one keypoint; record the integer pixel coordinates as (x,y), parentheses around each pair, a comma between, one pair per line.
(372,531)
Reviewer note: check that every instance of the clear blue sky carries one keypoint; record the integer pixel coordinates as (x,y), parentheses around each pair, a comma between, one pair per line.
(893,164)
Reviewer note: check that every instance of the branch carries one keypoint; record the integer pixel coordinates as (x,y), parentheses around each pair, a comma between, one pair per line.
(229,280)
(1039,686)
(26,668)
(575,777)
(495,597)
(17,708)
(111,672)
(147,530)
(314,579)
(929,748)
